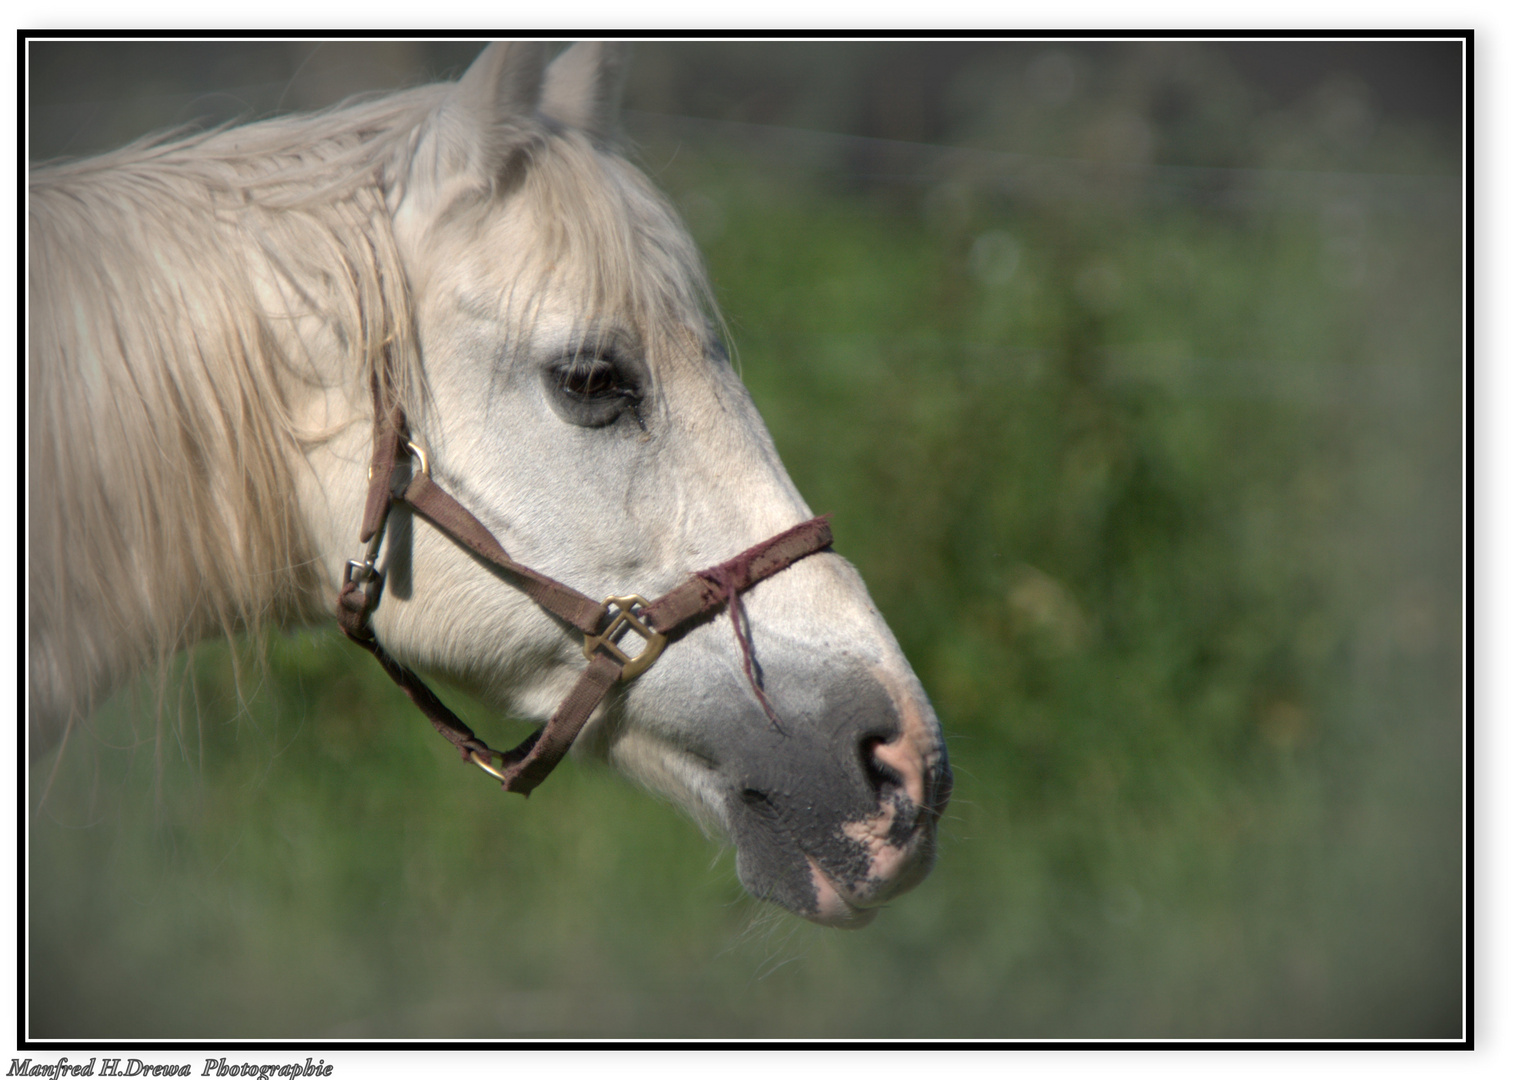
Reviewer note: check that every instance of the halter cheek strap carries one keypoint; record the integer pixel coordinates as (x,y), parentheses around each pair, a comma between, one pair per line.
(605,625)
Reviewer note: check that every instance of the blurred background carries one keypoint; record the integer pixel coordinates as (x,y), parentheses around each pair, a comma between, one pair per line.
(1132,374)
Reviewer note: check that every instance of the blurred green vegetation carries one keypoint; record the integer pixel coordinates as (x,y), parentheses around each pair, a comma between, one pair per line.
(1142,421)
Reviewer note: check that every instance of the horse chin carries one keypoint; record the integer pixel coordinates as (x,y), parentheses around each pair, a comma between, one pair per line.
(832,908)
(797,883)
(840,879)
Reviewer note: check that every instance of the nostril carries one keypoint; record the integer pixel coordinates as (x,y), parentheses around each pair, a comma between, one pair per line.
(894,766)
(882,776)
(758,802)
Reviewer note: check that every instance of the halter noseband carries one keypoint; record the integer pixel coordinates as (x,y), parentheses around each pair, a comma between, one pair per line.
(526,766)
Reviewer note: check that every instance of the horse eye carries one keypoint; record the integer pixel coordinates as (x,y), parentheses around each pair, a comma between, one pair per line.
(592,390)
(591,378)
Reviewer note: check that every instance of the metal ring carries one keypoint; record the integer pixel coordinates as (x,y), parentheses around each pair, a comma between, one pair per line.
(484,763)
(415,448)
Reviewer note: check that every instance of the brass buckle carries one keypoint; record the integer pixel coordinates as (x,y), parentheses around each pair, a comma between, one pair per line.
(631,666)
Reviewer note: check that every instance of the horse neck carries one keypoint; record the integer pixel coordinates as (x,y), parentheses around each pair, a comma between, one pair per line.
(185,353)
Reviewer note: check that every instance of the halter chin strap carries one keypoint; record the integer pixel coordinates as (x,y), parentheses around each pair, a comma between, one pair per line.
(526,766)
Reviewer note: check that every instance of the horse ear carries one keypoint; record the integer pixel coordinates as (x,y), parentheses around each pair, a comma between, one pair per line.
(480,125)
(504,84)
(583,86)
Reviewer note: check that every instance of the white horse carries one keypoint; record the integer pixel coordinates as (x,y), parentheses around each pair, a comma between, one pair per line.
(214,322)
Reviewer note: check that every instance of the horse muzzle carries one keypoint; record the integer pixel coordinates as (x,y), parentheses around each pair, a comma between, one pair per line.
(837,812)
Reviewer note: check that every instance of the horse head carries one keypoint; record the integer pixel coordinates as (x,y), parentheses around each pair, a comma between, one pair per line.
(536,312)
(579,401)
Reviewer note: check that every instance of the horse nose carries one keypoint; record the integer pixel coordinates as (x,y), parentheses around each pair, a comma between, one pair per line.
(899,764)
(910,758)
(893,766)
(898,755)
(835,818)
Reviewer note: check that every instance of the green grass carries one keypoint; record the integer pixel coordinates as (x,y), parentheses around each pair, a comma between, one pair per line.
(1163,503)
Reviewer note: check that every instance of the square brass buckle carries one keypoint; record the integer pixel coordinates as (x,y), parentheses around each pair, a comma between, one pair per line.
(631,666)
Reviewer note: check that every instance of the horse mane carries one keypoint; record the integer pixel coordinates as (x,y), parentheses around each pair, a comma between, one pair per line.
(175,289)
(162,446)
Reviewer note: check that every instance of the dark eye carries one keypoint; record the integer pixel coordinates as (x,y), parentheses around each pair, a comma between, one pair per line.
(593,390)
(591,378)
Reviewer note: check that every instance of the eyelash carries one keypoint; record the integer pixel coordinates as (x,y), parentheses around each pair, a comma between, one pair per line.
(599,378)
(593,378)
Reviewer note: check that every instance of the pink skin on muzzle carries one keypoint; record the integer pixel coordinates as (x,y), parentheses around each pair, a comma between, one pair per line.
(896,863)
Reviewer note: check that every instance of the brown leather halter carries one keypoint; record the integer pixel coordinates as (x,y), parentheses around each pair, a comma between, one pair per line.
(523,768)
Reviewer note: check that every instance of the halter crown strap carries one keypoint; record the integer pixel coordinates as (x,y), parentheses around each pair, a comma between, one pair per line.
(526,766)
